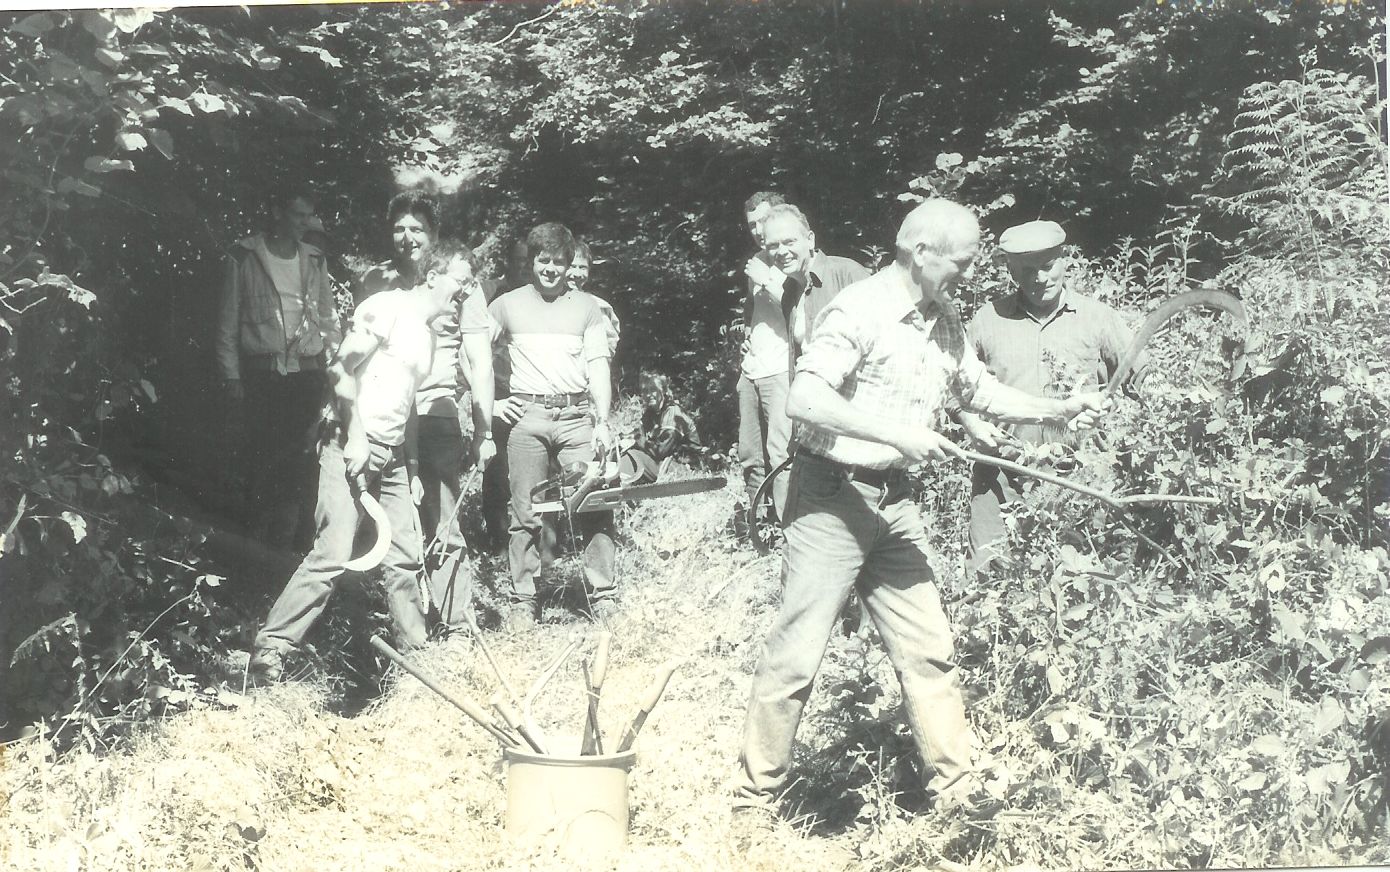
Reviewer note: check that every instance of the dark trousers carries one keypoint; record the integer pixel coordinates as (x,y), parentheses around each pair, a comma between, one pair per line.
(497,490)
(280,414)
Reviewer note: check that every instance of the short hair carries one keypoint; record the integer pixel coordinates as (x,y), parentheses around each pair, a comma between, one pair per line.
(582,247)
(283,195)
(788,210)
(446,251)
(656,381)
(418,203)
(943,226)
(551,236)
(761,197)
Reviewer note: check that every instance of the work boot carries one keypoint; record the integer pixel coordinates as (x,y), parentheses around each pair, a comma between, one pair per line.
(267,667)
(601,607)
(751,825)
(520,617)
(972,796)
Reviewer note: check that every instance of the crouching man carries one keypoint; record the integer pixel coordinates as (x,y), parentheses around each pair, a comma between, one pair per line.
(379,368)
(884,355)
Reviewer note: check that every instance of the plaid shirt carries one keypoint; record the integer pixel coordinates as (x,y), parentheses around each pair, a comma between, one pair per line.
(891,363)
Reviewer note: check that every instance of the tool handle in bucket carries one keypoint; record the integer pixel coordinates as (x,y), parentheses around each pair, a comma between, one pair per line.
(592,742)
(652,697)
(513,720)
(463,704)
(600,667)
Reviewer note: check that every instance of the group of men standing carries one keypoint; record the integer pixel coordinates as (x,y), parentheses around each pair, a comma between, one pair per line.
(422,336)
(848,373)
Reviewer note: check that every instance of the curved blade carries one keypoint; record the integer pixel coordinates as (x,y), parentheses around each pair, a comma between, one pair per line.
(1160,316)
(377,552)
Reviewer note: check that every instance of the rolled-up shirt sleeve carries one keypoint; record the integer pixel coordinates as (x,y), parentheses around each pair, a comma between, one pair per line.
(838,346)
(973,384)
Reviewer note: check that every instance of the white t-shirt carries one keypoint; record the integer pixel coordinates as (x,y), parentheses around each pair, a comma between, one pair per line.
(284,273)
(392,374)
(549,341)
(767,336)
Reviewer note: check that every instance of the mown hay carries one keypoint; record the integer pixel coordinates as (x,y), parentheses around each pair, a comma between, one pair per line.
(274,781)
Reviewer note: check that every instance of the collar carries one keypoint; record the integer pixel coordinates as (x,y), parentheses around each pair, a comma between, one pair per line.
(564,292)
(392,277)
(1064,307)
(815,268)
(900,303)
(257,241)
(818,267)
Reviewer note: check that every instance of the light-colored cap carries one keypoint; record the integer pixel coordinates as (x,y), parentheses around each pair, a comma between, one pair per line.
(1032,236)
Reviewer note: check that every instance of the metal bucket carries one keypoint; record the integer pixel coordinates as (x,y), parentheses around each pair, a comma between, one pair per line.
(577,804)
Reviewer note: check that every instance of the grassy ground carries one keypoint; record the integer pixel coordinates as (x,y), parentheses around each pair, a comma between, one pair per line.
(273,780)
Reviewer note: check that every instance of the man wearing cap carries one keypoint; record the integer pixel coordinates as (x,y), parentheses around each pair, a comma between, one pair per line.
(868,392)
(1045,339)
(764,429)
(813,278)
(277,323)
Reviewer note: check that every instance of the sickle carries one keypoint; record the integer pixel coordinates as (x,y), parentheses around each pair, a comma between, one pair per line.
(1158,317)
(374,555)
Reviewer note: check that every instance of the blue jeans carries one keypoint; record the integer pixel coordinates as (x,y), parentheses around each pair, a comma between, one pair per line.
(443,461)
(841,536)
(336,517)
(764,431)
(542,443)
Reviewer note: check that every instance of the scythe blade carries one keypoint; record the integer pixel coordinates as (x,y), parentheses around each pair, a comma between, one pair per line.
(1160,316)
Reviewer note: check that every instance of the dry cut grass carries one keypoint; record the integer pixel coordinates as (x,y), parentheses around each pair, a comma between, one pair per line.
(273,781)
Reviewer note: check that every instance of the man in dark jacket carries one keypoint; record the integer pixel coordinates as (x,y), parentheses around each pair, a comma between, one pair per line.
(813,278)
(277,325)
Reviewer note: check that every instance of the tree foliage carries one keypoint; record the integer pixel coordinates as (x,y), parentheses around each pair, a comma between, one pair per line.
(139,144)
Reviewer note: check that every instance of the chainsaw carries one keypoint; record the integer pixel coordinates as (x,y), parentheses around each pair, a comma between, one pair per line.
(599,487)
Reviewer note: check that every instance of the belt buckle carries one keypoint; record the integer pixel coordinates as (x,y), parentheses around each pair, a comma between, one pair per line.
(555,401)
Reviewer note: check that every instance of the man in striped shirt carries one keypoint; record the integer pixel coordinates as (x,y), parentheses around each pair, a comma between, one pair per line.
(560,390)
(868,392)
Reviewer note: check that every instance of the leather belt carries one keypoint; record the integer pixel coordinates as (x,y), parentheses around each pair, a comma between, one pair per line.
(874,477)
(554,401)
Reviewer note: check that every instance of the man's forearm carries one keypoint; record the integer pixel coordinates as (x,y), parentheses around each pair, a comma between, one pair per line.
(480,378)
(483,396)
(812,400)
(345,386)
(1014,406)
(600,388)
